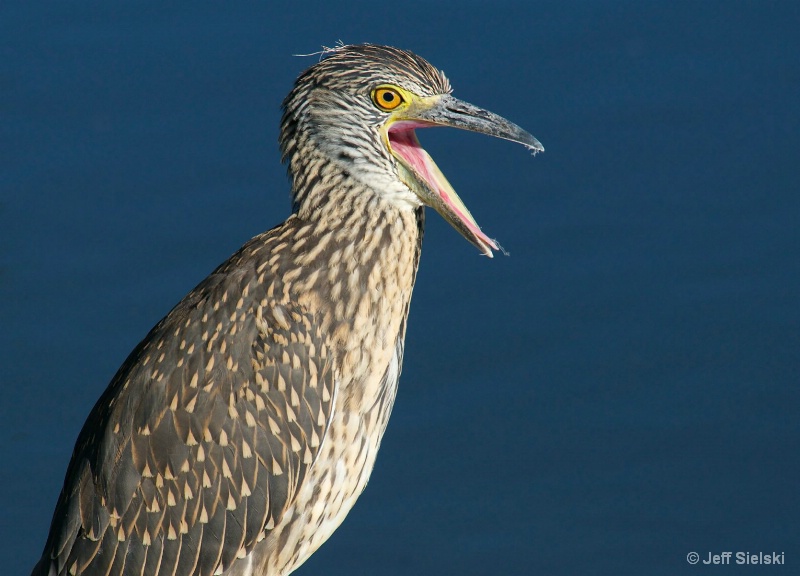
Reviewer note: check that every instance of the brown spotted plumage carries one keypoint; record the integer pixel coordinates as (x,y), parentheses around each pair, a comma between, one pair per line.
(239,433)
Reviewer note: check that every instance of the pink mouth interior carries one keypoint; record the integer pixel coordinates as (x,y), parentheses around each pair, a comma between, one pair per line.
(405,144)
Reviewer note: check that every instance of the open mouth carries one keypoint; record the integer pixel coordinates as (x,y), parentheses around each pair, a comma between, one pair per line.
(425,178)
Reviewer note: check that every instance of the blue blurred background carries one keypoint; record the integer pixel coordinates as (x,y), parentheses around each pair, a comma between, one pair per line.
(620,391)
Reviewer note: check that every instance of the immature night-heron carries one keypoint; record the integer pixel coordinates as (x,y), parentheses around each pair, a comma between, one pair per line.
(239,433)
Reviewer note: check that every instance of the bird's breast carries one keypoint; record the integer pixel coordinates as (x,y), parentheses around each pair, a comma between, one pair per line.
(340,474)
(359,291)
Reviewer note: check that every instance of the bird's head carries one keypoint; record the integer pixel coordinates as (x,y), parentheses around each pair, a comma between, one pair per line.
(360,106)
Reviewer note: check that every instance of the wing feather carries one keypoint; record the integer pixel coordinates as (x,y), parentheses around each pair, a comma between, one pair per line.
(201,441)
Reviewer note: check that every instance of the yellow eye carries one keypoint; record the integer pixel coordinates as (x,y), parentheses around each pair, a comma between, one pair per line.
(386,98)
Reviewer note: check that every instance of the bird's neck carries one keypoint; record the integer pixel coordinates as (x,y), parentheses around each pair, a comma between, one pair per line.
(355,256)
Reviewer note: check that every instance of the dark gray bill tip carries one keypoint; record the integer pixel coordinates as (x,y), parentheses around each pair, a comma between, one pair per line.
(532,144)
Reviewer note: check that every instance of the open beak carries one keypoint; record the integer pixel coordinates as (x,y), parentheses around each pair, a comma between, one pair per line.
(420,173)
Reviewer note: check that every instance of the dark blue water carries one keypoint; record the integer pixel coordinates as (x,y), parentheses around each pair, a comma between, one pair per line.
(621,391)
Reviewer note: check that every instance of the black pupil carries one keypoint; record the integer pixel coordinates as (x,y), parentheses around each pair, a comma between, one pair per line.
(388,97)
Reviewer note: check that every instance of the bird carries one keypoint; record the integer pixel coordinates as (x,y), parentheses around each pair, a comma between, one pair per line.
(240,431)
